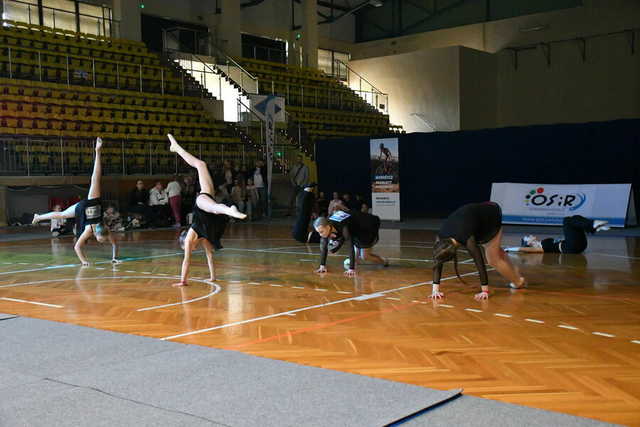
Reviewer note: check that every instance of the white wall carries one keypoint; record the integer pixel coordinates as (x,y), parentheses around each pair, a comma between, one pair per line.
(424,82)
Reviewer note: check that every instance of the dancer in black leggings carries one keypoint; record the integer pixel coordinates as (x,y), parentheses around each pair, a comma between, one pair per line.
(204,227)
(470,226)
(358,228)
(300,231)
(575,237)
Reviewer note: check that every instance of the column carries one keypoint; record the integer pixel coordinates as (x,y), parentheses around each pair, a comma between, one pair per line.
(130,16)
(310,33)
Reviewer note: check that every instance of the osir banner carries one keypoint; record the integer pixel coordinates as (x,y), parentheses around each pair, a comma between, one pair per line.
(548,203)
(385,178)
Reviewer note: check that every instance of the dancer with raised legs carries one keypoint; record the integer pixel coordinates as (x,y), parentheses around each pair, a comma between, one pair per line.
(204,227)
(88,214)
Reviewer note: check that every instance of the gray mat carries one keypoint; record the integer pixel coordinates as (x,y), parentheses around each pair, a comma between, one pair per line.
(242,390)
(469,411)
(4,316)
(48,403)
(129,380)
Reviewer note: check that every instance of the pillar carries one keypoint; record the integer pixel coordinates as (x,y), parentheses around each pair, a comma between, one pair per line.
(130,16)
(310,33)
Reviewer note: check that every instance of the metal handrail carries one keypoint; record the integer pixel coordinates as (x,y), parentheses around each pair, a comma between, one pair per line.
(361,77)
(226,57)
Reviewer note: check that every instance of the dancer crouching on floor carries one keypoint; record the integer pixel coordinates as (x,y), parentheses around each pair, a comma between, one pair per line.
(470,226)
(203,228)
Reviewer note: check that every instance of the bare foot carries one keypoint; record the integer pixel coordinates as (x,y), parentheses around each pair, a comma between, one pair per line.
(176,285)
(36,219)
(234,212)
(173,147)
(521,284)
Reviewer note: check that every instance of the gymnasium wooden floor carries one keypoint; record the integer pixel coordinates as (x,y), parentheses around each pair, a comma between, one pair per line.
(568,343)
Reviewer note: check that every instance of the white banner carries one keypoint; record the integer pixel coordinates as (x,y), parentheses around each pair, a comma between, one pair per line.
(548,204)
(385,178)
(268,108)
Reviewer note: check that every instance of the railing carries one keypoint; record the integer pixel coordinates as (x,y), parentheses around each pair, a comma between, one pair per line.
(62,156)
(30,64)
(286,151)
(217,60)
(62,19)
(362,87)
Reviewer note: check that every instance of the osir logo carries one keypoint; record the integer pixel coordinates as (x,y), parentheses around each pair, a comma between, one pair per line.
(538,198)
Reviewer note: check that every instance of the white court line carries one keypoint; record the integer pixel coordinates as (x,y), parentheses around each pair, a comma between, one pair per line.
(573,328)
(615,256)
(32,302)
(635,341)
(215,288)
(534,320)
(320,290)
(253,283)
(602,334)
(311,307)
(344,292)
(394,299)
(277,286)
(298,287)
(474,310)
(445,305)
(502,315)
(266,251)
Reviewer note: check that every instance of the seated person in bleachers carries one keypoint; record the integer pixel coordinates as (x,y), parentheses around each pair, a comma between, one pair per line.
(139,204)
(239,195)
(336,204)
(112,219)
(159,204)
(59,225)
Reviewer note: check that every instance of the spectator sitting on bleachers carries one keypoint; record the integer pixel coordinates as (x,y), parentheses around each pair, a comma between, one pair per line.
(336,204)
(159,204)
(58,225)
(139,204)
(112,219)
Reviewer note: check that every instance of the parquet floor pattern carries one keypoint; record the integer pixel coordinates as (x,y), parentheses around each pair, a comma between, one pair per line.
(570,342)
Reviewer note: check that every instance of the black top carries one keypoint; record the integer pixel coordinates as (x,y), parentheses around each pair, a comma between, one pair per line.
(471,225)
(205,223)
(481,220)
(139,196)
(87,212)
(551,245)
(360,229)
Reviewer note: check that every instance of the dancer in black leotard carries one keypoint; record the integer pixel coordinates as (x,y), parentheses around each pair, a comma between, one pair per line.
(203,229)
(358,228)
(575,238)
(470,226)
(88,214)
(300,231)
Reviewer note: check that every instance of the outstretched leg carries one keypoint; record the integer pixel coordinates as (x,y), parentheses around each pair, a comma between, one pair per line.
(70,212)
(96,175)
(206,183)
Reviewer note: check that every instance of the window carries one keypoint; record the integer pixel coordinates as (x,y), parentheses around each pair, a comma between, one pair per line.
(333,63)
(21,11)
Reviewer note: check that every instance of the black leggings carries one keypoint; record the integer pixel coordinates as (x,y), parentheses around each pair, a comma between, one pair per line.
(300,230)
(575,237)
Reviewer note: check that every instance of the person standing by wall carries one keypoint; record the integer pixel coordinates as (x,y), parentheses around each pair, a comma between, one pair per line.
(299,178)
(260,181)
(175,200)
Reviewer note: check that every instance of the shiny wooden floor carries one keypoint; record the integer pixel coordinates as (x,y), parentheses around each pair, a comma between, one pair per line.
(568,343)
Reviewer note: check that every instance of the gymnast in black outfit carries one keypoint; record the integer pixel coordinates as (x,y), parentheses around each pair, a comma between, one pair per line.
(575,230)
(300,231)
(470,226)
(203,229)
(359,228)
(88,214)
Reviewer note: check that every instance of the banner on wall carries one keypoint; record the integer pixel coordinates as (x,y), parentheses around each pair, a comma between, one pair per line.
(385,178)
(548,204)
